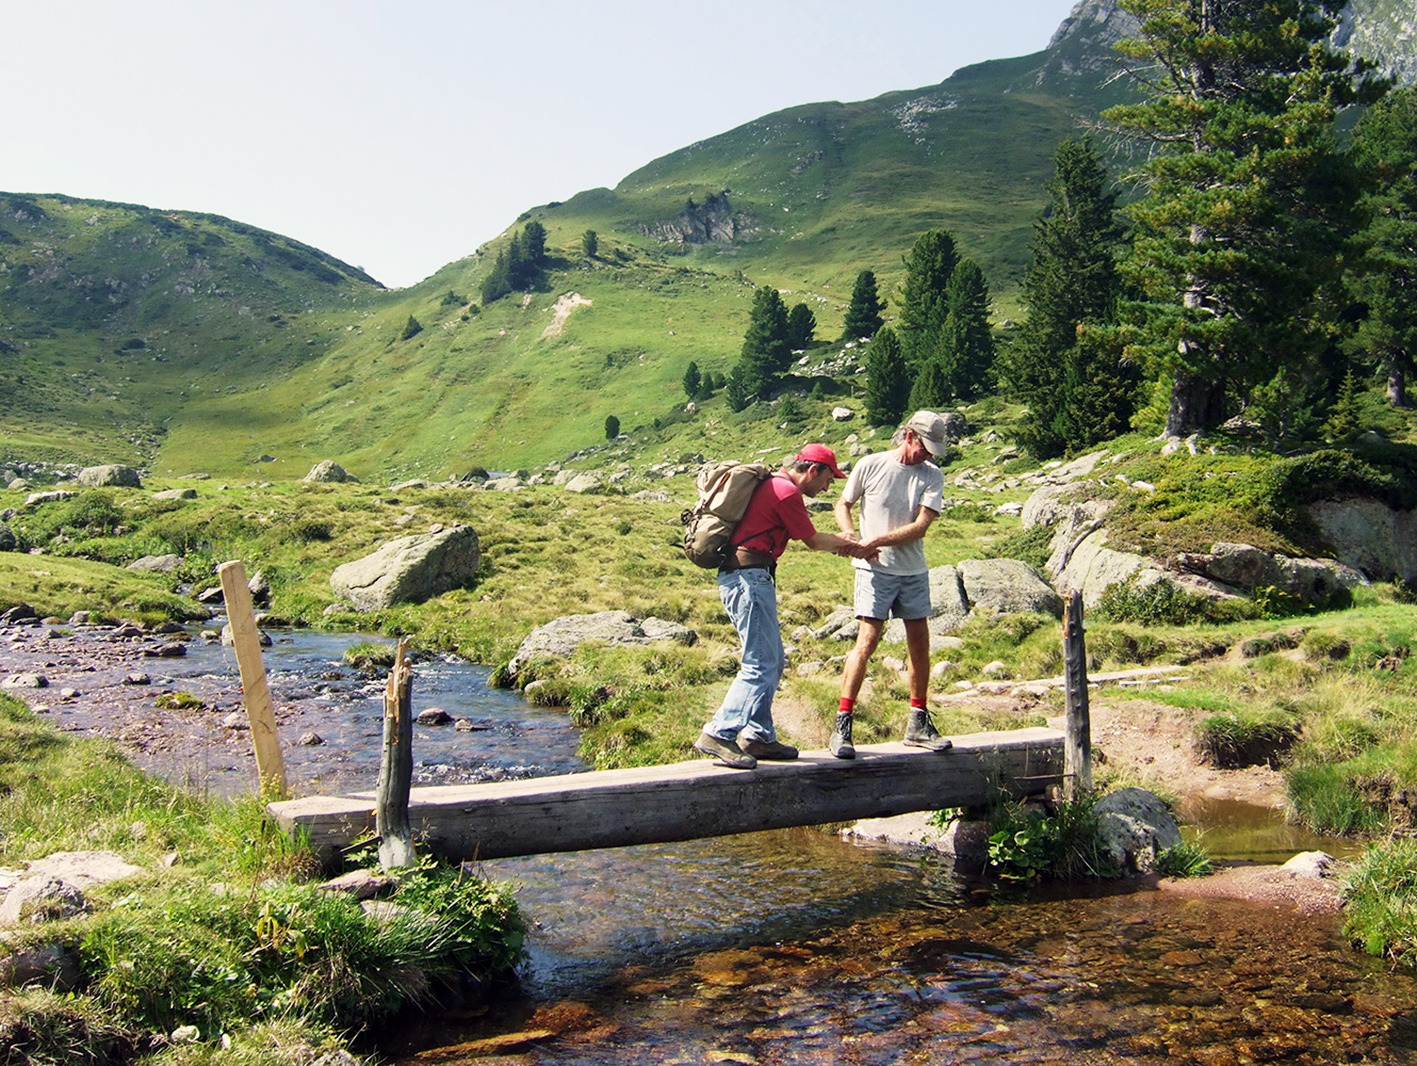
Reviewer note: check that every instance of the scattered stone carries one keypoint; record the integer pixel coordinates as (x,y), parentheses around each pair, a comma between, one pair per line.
(175,494)
(137,679)
(156,564)
(434,716)
(214,594)
(236,720)
(562,636)
(41,898)
(20,613)
(361,884)
(174,650)
(310,740)
(228,637)
(842,414)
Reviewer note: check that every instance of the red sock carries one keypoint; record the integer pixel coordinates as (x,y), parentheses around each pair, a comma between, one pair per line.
(917,705)
(847,705)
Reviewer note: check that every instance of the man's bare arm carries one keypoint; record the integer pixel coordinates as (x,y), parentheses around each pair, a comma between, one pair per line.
(904,534)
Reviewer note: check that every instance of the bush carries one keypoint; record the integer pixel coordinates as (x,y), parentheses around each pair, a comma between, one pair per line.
(1166,603)
(1186,859)
(1380,896)
(1028,845)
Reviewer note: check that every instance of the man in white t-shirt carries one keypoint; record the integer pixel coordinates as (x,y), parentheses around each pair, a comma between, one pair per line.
(901,493)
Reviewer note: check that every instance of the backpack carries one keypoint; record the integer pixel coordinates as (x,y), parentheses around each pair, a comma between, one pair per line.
(724,491)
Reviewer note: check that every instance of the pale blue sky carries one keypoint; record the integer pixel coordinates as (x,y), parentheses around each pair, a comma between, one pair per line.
(400,136)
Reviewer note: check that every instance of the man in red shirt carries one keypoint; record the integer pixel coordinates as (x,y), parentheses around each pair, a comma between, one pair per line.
(742,732)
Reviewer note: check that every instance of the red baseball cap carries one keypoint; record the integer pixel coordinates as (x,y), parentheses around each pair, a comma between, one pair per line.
(820,453)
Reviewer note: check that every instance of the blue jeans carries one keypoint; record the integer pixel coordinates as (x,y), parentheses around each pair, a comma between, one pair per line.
(750,598)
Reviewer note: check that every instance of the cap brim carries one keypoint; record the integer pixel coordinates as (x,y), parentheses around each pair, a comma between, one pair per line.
(934,448)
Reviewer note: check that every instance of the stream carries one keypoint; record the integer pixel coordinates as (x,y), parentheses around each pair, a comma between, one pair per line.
(794,946)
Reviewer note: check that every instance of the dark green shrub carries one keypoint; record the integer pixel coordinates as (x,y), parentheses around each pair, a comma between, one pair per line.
(1166,603)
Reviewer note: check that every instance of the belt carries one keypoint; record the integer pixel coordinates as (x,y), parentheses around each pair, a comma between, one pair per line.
(747,559)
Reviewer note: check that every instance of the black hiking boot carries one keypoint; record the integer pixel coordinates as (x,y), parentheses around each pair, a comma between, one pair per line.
(840,744)
(921,732)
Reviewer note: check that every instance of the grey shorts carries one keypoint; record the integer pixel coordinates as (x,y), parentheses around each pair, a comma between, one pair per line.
(882,596)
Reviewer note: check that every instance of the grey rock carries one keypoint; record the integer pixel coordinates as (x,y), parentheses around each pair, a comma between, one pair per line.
(361,884)
(54,965)
(41,898)
(585,483)
(434,716)
(409,570)
(14,681)
(228,637)
(34,499)
(310,740)
(1007,586)
(260,588)
(175,494)
(1369,536)
(329,471)
(1134,827)
(157,564)
(1245,566)
(85,868)
(560,637)
(112,475)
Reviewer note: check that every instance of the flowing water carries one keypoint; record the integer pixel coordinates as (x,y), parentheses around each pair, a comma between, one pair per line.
(796,947)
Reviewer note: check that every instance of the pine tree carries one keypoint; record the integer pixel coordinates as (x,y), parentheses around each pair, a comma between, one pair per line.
(966,345)
(612,427)
(590,244)
(693,383)
(411,328)
(534,244)
(932,390)
(1239,242)
(766,355)
(801,325)
(1385,281)
(887,380)
(863,314)
(736,391)
(931,261)
(496,284)
(1072,282)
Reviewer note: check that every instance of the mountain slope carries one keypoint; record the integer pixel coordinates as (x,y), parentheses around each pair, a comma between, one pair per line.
(188,342)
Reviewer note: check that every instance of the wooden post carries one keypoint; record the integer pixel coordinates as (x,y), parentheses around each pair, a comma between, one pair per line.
(260,711)
(396,768)
(1077,740)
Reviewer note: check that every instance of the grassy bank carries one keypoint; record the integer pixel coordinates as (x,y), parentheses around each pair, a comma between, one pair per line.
(225,933)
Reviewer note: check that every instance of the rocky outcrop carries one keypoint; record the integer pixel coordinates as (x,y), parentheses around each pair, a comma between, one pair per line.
(1370,536)
(329,471)
(409,570)
(560,637)
(156,564)
(112,475)
(1134,828)
(1246,567)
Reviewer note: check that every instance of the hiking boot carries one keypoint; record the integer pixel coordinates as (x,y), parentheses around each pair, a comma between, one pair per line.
(921,732)
(770,750)
(724,752)
(840,744)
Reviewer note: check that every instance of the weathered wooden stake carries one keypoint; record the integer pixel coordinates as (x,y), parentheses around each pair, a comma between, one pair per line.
(260,711)
(1077,740)
(396,768)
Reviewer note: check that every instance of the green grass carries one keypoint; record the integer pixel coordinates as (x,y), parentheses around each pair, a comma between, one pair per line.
(225,931)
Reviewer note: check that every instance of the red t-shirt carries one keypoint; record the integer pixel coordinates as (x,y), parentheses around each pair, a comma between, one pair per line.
(775,515)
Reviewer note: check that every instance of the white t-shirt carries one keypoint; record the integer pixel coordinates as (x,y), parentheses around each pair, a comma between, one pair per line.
(891,495)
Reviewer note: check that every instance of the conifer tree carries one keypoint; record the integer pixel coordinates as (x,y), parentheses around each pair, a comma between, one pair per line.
(693,383)
(932,390)
(590,244)
(612,427)
(534,243)
(1072,389)
(887,380)
(765,356)
(1385,282)
(931,261)
(1238,246)
(863,314)
(966,346)
(801,325)
(736,392)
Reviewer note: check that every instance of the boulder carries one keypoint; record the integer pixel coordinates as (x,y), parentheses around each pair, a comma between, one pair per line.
(1247,567)
(329,471)
(175,494)
(260,589)
(1007,586)
(228,637)
(113,475)
(55,965)
(1051,504)
(34,499)
(586,483)
(410,569)
(1093,568)
(842,414)
(1370,536)
(156,564)
(561,637)
(1134,827)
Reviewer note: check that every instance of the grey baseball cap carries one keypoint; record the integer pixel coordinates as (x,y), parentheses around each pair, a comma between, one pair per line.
(930,428)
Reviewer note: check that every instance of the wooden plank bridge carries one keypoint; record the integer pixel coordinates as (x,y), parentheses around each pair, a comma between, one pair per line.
(689,800)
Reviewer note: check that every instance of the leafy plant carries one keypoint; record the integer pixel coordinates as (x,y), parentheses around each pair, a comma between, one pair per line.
(1186,859)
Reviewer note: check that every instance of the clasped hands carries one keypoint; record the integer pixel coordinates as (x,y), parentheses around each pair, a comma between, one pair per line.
(853,549)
